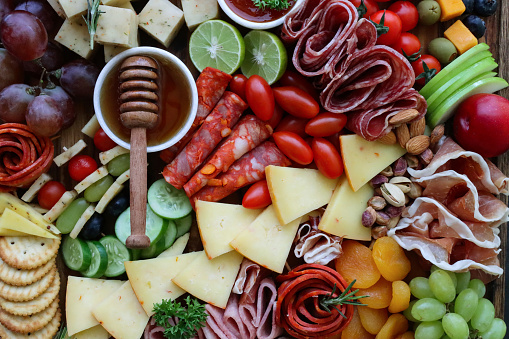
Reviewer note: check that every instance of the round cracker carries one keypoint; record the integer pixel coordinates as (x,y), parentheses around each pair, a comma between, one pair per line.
(24,308)
(31,323)
(29,292)
(47,332)
(28,252)
(17,277)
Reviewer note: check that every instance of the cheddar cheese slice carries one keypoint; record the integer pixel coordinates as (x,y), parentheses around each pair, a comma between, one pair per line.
(11,221)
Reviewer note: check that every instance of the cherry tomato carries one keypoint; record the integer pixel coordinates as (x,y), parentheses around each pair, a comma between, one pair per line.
(238,85)
(296,102)
(407,43)
(294,147)
(81,166)
(418,66)
(291,78)
(408,14)
(325,124)
(257,196)
(393,22)
(276,117)
(293,124)
(50,193)
(327,158)
(259,97)
(102,141)
(371,5)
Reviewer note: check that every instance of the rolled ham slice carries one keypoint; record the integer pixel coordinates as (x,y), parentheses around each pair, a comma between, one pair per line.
(265,321)
(216,126)
(315,246)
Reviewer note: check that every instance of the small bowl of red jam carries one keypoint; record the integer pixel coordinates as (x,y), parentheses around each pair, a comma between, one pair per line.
(247,14)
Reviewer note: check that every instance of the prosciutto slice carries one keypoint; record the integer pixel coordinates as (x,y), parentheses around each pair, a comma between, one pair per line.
(315,246)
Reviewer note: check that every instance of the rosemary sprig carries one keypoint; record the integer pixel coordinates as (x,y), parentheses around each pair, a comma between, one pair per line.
(347,297)
(93,14)
(272,4)
(62,333)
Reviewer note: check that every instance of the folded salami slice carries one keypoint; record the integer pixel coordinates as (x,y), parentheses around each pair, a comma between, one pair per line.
(249,169)
(216,126)
(211,85)
(302,20)
(246,135)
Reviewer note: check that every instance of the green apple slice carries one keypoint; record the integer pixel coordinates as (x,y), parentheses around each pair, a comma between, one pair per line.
(447,89)
(458,65)
(478,85)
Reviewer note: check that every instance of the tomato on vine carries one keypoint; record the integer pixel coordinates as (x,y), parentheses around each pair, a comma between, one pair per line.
(409,45)
(388,26)
(407,12)
(365,7)
(425,68)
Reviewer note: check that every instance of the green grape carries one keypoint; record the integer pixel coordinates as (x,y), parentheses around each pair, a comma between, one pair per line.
(463,279)
(478,286)
(442,286)
(69,217)
(455,326)
(428,309)
(496,330)
(434,268)
(445,336)
(429,330)
(466,303)
(452,275)
(119,165)
(408,312)
(95,192)
(419,287)
(483,315)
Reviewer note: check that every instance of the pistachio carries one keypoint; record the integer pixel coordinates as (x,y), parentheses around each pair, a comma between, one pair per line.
(378,192)
(412,161)
(382,218)
(393,222)
(377,203)
(378,180)
(415,191)
(379,232)
(387,171)
(403,183)
(399,167)
(407,199)
(393,194)
(393,211)
(426,156)
(368,217)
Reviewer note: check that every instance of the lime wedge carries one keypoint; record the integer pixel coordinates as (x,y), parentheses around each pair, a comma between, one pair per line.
(217,44)
(265,56)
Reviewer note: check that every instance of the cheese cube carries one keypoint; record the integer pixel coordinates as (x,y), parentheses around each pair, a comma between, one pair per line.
(124,4)
(111,50)
(117,26)
(116,3)
(451,9)
(162,20)
(96,332)
(57,8)
(75,36)
(74,9)
(343,216)
(11,221)
(198,11)
(461,37)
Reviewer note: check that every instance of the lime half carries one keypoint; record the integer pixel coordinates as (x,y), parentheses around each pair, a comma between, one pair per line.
(217,44)
(265,56)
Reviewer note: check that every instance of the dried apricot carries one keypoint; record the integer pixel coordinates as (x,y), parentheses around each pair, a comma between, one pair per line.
(356,262)
(406,335)
(400,296)
(396,324)
(390,259)
(372,320)
(355,329)
(379,295)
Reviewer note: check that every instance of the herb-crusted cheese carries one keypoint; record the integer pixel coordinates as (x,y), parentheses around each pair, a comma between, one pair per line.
(75,149)
(35,188)
(162,20)
(91,127)
(74,35)
(57,8)
(62,203)
(73,9)
(198,11)
(106,156)
(117,26)
(111,50)
(98,174)
(116,3)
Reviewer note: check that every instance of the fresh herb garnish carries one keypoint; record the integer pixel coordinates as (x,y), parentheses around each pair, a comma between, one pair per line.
(272,4)
(362,9)
(347,297)
(380,27)
(93,14)
(428,74)
(62,333)
(189,320)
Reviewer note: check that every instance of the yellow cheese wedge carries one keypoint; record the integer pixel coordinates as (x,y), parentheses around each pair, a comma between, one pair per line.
(83,294)
(221,223)
(364,159)
(297,191)
(210,280)
(12,221)
(96,332)
(121,314)
(177,248)
(151,279)
(266,241)
(343,216)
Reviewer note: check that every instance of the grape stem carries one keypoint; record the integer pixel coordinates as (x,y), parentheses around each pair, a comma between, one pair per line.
(92,18)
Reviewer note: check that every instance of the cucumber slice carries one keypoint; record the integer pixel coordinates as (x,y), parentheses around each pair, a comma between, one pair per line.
(99,262)
(169,236)
(184,224)
(117,254)
(76,253)
(167,201)
(154,225)
(155,247)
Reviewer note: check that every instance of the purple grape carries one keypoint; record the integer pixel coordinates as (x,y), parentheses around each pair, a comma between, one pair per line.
(52,59)
(44,116)
(79,77)
(14,101)
(45,13)
(24,35)
(12,70)
(66,104)
(5,8)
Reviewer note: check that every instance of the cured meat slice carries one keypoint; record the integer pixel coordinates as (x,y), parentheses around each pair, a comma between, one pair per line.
(234,321)
(249,169)
(301,20)
(316,246)
(265,321)
(211,85)
(216,126)
(249,274)
(246,135)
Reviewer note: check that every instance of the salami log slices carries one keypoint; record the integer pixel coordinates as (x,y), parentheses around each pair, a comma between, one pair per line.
(23,156)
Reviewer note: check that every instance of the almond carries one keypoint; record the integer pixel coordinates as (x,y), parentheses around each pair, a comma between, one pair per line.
(417,127)
(403,135)
(417,144)
(437,134)
(404,116)
(388,139)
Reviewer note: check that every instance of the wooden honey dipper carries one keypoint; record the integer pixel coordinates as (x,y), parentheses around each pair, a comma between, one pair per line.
(139,109)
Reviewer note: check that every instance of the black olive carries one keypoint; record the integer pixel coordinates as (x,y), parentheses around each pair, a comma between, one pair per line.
(476,25)
(92,228)
(485,7)
(469,6)
(118,205)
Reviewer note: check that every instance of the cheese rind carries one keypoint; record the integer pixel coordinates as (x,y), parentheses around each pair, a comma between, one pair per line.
(75,36)
(57,209)
(117,26)
(266,241)
(343,216)
(198,11)
(12,221)
(31,193)
(75,149)
(221,223)
(162,20)
(96,175)
(96,332)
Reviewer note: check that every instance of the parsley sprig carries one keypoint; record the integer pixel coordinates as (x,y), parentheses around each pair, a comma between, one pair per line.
(92,18)
(347,297)
(272,4)
(190,319)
